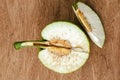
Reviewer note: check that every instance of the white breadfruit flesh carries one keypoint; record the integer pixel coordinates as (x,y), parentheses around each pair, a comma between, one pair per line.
(75,59)
(91,22)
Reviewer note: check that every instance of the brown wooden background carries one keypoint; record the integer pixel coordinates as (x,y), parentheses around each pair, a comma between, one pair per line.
(24,20)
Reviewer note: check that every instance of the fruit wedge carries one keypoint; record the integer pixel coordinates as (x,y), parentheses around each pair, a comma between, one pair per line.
(91,22)
(65,50)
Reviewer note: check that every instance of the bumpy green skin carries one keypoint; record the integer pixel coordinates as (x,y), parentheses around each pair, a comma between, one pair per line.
(75,6)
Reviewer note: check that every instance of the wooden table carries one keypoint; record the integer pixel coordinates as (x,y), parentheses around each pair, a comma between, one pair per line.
(24,20)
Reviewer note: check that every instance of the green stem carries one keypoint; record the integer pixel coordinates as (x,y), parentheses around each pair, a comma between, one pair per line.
(45,44)
(22,44)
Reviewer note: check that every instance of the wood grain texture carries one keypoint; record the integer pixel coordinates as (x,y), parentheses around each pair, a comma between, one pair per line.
(24,20)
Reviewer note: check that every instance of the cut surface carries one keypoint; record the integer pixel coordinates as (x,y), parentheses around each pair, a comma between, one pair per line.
(69,35)
(65,48)
(91,23)
(64,64)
